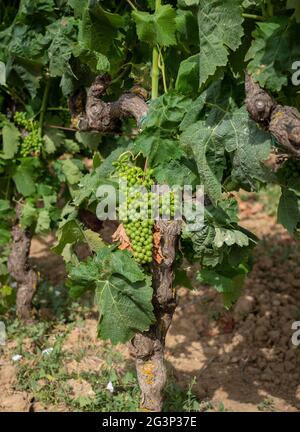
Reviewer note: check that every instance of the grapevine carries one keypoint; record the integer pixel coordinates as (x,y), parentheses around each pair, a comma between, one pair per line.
(32,142)
(221,110)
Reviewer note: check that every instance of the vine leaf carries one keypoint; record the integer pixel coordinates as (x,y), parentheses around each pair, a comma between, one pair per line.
(71,171)
(28,215)
(228,281)
(93,240)
(43,221)
(227,237)
(157,28)
(98,28)
(272,53)
(288,213)
(204,144)
(123,293)
(248,146)
(220,30)
(25,176)
(70,233)
(98,38)
(10,136)
(188,75)
(125,308)
(60,50)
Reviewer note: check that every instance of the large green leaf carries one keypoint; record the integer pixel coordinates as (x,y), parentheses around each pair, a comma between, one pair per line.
(71,171)
(220,30)
(167,111)
(10,137)
(28,215)
(122,263)
(123,293)
(78,6)
(229,237)
(43,221)
(30,73)
(188,75)
(274,49)
(157,148)
(289,210)
(98,27)
(176,172)
(208,149)
(249,146)
(4,205)
(125,307)
(68,234)
(93,240)
(24,180)
(207,140)
(157,28)
(62,33)
(86,272)
(228,281)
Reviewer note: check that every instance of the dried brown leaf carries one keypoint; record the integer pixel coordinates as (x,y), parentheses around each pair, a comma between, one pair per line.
(121,236)
(157,252)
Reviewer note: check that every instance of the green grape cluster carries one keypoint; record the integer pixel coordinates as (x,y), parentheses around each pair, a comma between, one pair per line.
(139,207)
(138,226)
(32,141)
(21,119)
(133,174)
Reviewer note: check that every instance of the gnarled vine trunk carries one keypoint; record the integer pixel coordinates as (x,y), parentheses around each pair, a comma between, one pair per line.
(283,122)
(103,116)
(20,270)
(148,347)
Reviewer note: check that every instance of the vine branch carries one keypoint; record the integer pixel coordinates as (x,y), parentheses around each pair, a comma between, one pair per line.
(283,122)
(103,116)
(44,104)
(20,270)
(148,347)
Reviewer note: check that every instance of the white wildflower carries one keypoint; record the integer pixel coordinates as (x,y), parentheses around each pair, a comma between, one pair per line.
(16,357)
(110,387)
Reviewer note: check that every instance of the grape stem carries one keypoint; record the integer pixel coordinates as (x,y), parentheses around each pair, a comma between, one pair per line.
(131,4)
(161,65)
(155,63)
(44,104)
(254,17)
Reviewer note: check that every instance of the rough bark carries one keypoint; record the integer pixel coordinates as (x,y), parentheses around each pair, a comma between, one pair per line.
(148,347)
(106,117)
(283,122)
(20,270)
